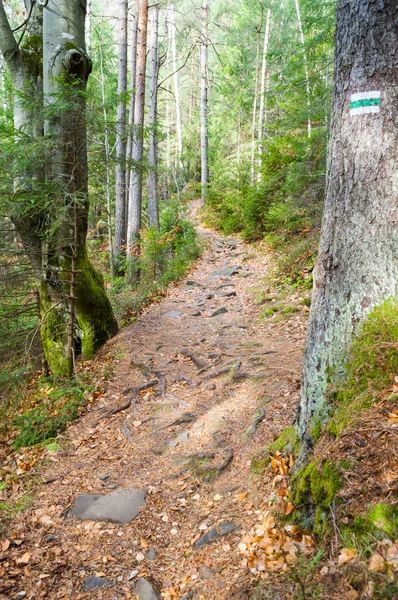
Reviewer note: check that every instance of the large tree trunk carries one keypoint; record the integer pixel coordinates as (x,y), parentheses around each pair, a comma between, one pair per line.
(66,67)
(121,205)
(203,104)
(153,208)
(135,200)
(357,265)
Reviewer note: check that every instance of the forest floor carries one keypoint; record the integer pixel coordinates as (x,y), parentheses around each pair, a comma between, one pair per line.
(211,383)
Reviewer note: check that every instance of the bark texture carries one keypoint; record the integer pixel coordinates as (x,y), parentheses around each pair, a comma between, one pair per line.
(203,104)
(357,265)
(153,207)
(135,200)
(121,203)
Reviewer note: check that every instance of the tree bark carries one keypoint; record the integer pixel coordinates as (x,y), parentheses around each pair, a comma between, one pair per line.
(172,29)
(135,199)
(153,208)
(121,207)
(66,67)
(357,265)
(204,104)
(133,70)
(261,112)
(307,75)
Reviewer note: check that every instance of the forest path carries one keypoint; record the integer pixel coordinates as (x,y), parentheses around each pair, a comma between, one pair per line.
(244,365)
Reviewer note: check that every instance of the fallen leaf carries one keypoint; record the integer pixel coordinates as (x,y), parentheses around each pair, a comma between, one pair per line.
(346,555)
(139,557)
(376,563)
(24,559)
(5,544)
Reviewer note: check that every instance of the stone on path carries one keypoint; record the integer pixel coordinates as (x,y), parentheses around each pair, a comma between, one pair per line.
(120,507)
(226,272)
(174,314)
(214,534)
(93,583)
(220,311)
(146,591)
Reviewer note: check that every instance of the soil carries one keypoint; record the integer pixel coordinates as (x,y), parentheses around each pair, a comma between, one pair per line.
(211,371)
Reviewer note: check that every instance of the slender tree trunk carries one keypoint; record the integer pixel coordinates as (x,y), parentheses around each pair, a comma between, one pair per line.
(135,200)
(261,113)
(204,104)
(255,102)
(133,69)
(121,208)
(172,29)
(107,159)
(88,26)
(153,210)
(307,75)
(357,265)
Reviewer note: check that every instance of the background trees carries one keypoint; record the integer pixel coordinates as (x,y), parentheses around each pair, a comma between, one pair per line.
(263,173)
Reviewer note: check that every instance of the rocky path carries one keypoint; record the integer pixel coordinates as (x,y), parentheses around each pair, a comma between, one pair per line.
(153,489)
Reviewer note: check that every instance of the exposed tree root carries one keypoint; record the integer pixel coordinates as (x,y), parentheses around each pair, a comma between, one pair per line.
(217,469)
(198,362)
(260,416)
(227,368)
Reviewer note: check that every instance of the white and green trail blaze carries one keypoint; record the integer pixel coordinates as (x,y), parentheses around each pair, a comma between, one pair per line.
(364,103)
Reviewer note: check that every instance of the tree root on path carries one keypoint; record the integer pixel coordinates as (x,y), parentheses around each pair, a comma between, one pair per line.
(227,368)
(210,473)
(137,390)
(198,362)
(260,416)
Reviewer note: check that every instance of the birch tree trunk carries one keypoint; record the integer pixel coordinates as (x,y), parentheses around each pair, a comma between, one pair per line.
(153,209)
(172,29)
(307,75)
(261,113)
(204,139)
(135,199)
(133,70)
(357,265)
(121,207)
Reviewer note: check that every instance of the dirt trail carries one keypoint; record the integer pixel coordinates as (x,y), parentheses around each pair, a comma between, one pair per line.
(243,364)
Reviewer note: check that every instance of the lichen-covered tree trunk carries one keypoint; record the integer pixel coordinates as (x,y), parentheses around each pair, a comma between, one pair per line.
(153,205)
(121,167)
(204,137)
(135,199)
(358,258)
(66,67)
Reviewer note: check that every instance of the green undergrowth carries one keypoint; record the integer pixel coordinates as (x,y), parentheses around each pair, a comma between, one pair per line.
(166,255)
(54,404)
(359,531)
(371,366)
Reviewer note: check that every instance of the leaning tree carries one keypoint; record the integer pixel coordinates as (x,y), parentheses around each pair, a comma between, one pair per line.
(49,67)
(357,265)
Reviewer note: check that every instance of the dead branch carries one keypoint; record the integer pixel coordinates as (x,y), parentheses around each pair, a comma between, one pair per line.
(199,455)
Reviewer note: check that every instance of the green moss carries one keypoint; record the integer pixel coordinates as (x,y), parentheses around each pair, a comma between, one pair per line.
(287,443)
(385,518)
(316,430)
(372,361)
(313,489)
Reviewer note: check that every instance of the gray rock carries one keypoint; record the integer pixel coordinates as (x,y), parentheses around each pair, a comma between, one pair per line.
(51,538)
(193,284)
(174,314)
(197,313)
(211,387)
(93,583)
(103,477)
(228,272)
(146,591)
(220,311)
(214,534)
(226,294)
(151,554)
(120,507)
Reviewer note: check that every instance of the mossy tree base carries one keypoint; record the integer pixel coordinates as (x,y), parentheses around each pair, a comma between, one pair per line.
(95,322)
